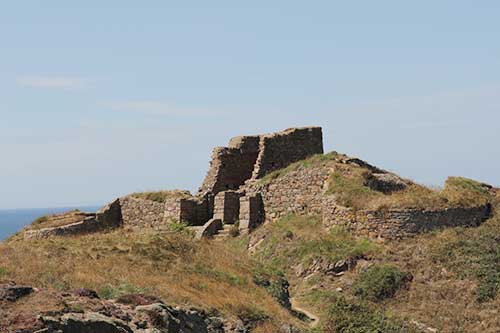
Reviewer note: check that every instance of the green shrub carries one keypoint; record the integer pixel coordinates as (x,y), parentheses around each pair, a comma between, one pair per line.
(277,286)
(113,291)
(176,226)
(40,220)
(250,314)
(3,271)
(380,282)
(235,230)
(355,317)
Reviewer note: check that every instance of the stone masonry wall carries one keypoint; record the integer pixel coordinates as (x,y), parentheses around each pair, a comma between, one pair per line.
(231,166)
(249,157)
(278,150)
(297,192)
(251,213)
(108,217)
(399,224)
(194,211)
(147,213)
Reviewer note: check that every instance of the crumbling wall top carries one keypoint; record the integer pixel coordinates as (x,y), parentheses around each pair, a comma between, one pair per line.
(280,149)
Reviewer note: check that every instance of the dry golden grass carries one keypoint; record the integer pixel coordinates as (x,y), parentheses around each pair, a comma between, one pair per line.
(162,196)
(57,220)
(180,270)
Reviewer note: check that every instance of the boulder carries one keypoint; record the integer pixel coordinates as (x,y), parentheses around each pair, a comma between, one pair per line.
(89,322)
(385,182)
(12,293)
(209,229)
(110,216)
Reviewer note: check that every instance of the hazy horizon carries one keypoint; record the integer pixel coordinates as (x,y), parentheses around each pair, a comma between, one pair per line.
(98,100)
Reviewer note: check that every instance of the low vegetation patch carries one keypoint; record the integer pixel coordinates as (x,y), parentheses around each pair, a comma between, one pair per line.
(301,239)
(357,317)
(162,196)
(277,285)
(40,220)
(380,282)
(115,291)
(176,226)
(475,254)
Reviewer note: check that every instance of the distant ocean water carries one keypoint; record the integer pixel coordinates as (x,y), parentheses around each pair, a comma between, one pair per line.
(13,220)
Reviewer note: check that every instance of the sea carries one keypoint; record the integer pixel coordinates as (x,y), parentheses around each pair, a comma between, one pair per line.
(13,220)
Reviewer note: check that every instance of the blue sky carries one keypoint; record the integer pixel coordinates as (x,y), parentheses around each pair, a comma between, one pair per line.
(102,98)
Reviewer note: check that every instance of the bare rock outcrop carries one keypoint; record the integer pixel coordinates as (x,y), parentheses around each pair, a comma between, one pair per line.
(84,312)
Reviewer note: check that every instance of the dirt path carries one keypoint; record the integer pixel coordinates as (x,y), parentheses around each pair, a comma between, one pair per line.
(296,306)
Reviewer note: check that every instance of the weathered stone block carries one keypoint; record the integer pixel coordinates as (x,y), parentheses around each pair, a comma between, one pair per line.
(227,206)
(251,213)
(209,229)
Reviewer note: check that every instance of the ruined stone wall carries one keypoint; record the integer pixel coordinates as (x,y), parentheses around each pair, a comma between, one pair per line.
(139,212)
(296,192)
(86,226)
(254,156)
(107,217)
(194,211)
(231,166)
(147,213)
(278,150)
(400,224)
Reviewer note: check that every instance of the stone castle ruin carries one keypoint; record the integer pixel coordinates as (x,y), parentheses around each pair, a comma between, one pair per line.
(237,194)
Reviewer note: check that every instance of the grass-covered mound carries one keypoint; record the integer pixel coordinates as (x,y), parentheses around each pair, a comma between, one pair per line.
(380,282)
(174,267)
(348,183)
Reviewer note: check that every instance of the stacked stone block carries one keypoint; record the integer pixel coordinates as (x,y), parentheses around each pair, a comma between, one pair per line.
(231,166)
(227,206)
(297,192)
(251,213)
(138,212)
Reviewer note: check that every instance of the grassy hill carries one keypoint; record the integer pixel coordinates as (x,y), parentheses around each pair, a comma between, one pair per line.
(291,272)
